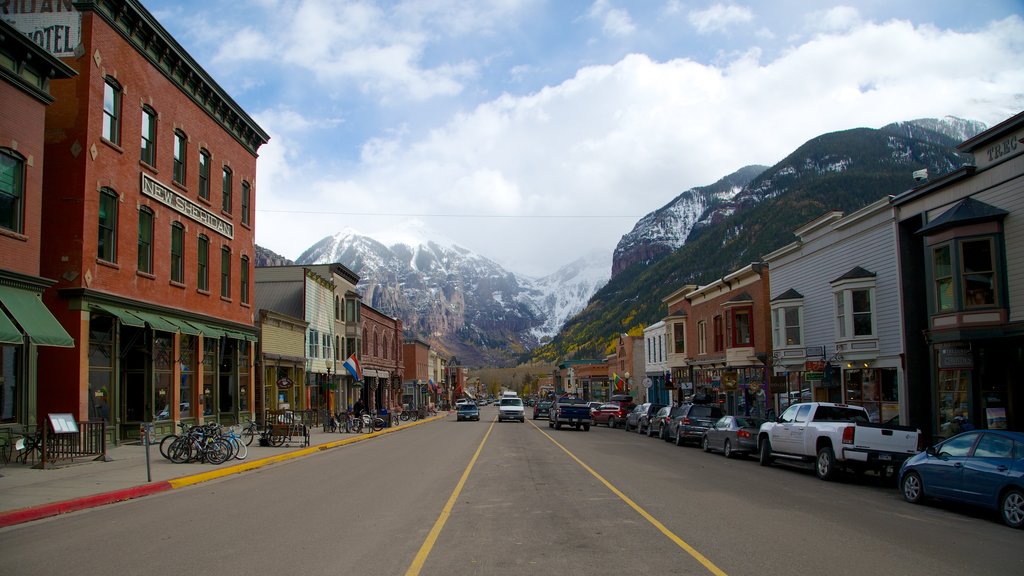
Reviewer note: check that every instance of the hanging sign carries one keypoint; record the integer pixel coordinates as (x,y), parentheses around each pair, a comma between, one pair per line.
(285,383)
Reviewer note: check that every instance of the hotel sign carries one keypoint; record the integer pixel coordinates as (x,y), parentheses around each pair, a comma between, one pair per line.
(183,205)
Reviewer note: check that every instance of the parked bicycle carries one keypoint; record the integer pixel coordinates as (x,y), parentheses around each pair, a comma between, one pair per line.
(200,444)
(250,431)
(373,422)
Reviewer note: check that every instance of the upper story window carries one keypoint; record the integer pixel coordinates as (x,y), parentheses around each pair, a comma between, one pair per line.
(112,111)
(702,337)
(719,333)
(246,190)
(148,147)
(204,175)
(243,277)
(742,327)
(787,320)
(203,264)
(180,156)
(854,295)
(679,338)
(225,272)
(314,343)
(225,204)
(337,307)
(107,241)
(145,258)
(12,191)
(177,253)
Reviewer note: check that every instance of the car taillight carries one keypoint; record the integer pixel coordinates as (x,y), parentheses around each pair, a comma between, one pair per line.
(848,435)
(686,420)
(742,434)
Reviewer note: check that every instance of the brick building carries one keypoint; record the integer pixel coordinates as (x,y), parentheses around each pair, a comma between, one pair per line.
(382,358)
(26,71)
(148,203)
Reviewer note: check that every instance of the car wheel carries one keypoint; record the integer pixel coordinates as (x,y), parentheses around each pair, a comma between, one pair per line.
(1011,508)
(679,437)
(551,424)
(727,449)
(650,431)
(586,427)
(663,434)
(912,488)
(825,464)
(705,444)
(765,454)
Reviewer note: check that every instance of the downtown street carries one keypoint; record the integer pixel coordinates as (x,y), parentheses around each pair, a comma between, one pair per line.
(451,497)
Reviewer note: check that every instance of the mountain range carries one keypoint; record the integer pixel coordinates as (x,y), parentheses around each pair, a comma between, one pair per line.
(469,306)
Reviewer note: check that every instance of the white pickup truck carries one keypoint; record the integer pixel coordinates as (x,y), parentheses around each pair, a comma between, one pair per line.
(836,436)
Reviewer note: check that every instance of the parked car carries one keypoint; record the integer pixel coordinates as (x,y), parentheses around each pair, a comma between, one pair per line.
(659,422)
(467,411)
(980,467)
(541,409)
(612,414)
(594,406)
(639,418)
(690,423)
(732,435)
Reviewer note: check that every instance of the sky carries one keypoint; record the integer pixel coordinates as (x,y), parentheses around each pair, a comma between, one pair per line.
(535,132)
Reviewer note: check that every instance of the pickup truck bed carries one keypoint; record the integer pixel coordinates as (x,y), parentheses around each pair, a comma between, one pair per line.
(570,412)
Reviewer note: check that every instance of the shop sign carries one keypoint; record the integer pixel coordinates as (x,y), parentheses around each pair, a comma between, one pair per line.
(186,207)
(815,376)
(777,384)
(686,385)
(285,383)
(815,366)
(729,380)
(956,359)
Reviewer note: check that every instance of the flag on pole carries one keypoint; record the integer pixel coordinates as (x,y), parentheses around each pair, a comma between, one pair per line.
(352,365)
(616,383)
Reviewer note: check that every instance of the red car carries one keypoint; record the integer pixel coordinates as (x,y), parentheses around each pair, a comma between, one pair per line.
(612,414)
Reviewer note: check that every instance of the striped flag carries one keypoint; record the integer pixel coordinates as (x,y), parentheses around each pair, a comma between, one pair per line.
(352,365)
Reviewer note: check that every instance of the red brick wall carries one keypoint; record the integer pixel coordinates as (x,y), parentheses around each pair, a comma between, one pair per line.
(21,131)
(74,178)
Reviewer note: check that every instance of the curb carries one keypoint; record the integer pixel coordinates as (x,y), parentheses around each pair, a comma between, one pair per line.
(32,513)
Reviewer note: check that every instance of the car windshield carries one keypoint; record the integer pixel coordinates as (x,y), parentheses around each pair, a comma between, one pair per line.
(467,406)
(511,402)
(545,404)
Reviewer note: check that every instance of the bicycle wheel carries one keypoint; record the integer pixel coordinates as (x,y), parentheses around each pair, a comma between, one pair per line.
(218,451)
(356,425)
(180,450)
(241,451)
(249,432)
(404,416)
(378,424)
(166,443)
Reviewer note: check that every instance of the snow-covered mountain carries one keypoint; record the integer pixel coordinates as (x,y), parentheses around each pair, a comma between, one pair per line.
(457,300)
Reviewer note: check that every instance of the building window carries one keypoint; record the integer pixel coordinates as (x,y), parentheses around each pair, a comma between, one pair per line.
(180,142)
(786,329)
(226,190)
(12,191)
(854,317)
(148,150)
(204,174)
(145,240)
(978,272)
(719,334)
(225,272)
(679,338)
(112,111)
(313,341)
(742,329)
(107,246)
(245,202)
(203,264)
(702,337)
(243,275)
(942,267)
(177,253)
(337,307)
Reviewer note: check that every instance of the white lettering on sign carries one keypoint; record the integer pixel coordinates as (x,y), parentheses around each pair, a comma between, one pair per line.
(54,25)
(183,205)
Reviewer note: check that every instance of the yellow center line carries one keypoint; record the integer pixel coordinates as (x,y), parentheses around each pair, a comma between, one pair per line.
(428,544)
(664,530)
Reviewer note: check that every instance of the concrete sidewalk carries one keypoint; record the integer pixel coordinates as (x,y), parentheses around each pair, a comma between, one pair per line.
(28,494)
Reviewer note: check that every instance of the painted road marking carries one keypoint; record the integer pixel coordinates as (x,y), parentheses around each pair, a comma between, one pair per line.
(654,521)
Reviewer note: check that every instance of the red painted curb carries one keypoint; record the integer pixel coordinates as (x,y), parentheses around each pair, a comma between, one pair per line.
(55,508)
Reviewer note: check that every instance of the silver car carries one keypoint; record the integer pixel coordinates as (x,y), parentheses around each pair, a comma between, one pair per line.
(732,435)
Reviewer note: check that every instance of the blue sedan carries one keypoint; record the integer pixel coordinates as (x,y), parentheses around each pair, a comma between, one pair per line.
(981,467)
(467,411)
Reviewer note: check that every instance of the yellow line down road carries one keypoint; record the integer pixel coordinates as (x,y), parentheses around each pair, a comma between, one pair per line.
(654,521)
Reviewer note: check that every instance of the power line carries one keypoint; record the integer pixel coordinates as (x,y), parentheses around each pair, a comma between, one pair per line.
(445,215)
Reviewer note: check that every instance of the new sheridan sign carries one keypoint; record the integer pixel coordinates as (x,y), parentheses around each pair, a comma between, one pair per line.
(183,205)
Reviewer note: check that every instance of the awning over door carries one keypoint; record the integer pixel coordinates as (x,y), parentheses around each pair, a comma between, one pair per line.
(155,322)
(28,310)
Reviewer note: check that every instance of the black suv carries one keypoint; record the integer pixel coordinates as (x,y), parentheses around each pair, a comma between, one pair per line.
(691,421)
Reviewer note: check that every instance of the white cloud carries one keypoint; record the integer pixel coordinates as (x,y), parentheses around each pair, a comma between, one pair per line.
(835,19)
(540,178)
(614,21)
(719,17)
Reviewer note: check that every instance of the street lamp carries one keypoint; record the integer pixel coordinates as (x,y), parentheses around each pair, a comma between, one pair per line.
(626,376)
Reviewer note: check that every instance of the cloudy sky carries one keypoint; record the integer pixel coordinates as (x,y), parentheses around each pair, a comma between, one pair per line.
(534,132)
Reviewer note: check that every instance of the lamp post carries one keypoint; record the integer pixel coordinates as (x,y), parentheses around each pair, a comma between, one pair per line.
(626,376)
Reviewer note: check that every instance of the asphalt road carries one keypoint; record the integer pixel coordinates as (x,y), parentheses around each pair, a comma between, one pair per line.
(453,498)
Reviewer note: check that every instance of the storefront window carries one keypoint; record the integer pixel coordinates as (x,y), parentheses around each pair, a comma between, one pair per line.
(101,366)
(188,374)
(208,399)
(10,383)
(953,401)
(243,378)
(163,363)
(862,389)
(228,376)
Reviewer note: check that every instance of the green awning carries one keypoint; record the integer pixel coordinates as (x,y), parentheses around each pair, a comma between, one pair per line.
(155,322)
(206,330)
(9,333)
(34,317)
(183,327)
(126,317)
